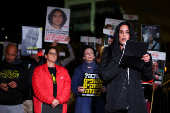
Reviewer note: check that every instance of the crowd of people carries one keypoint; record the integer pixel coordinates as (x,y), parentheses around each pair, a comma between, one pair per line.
(40,84)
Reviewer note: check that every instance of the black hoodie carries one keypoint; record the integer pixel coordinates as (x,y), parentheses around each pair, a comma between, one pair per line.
(17,72)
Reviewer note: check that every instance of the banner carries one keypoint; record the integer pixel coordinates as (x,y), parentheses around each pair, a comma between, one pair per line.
(151,34)
(133,20)
(91,41)
(110,26)
(31,40)
(92,84)
(57,24)
(158,66)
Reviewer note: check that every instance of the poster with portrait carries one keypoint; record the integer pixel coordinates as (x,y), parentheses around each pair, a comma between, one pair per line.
(31,40)
(110,26)
(158,66)
(151,34)
(57,24)
(133,20)
(92,84)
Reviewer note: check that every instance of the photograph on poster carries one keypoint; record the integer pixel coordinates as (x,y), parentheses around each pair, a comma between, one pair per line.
(158,66)
(158,70)
(151,34)
(133,20)
(110,26)
(31,40)
(57,24)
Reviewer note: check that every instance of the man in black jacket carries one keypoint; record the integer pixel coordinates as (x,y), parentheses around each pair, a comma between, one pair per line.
(14,83)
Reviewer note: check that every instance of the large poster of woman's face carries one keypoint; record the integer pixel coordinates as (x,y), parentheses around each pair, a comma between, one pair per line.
(57,24)
(151,34)
(31,40)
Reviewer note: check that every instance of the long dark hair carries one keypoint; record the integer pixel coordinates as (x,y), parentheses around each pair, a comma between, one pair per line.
(50,16)
(131,32)
(115,44)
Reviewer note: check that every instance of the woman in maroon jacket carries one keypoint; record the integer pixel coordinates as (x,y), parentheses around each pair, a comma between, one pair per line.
(51,84)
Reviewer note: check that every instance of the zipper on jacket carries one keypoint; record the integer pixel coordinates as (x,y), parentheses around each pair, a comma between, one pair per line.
(122,89)
(127,76)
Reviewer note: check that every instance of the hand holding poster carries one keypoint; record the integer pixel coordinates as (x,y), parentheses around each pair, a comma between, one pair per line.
(57,24)
(158,65)
(92,84)
(31,40)
(132,54)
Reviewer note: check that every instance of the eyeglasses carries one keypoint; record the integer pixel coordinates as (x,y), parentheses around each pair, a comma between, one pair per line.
(51,53)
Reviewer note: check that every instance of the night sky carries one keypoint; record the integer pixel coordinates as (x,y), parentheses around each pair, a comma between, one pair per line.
(14,15)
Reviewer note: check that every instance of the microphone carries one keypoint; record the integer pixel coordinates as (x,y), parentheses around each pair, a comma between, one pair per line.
(124,45)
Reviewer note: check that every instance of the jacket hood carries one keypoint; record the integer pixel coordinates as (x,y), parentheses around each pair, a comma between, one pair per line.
(17,61)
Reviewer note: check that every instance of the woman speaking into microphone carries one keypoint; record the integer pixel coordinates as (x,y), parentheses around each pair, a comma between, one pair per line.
(124,89)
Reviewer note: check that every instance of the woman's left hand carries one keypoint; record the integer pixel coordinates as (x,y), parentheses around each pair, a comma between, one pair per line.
(154,86)
(103,89)
(146,58)
(55,103)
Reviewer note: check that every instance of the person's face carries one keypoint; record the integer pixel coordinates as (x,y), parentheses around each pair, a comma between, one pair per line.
(31,39)
(57,18)
(89,55)
(109,28)
(10,54)
(123,34)
(110,40)
(150,38)
(51,56)
(155,66)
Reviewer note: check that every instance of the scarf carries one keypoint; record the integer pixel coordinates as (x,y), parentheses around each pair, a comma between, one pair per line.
(88,67)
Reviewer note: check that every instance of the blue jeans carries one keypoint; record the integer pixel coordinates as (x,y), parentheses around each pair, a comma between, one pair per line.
(12,108)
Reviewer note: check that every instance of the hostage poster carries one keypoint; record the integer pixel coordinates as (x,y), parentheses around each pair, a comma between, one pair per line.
(31,40)
(92,84)
(158,66)
(110,26)
(133,21)
(151,34)
(57,24)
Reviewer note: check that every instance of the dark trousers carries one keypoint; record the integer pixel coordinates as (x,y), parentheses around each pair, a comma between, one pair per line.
(124,111)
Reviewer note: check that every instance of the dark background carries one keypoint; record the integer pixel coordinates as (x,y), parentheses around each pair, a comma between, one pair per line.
(14,15)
